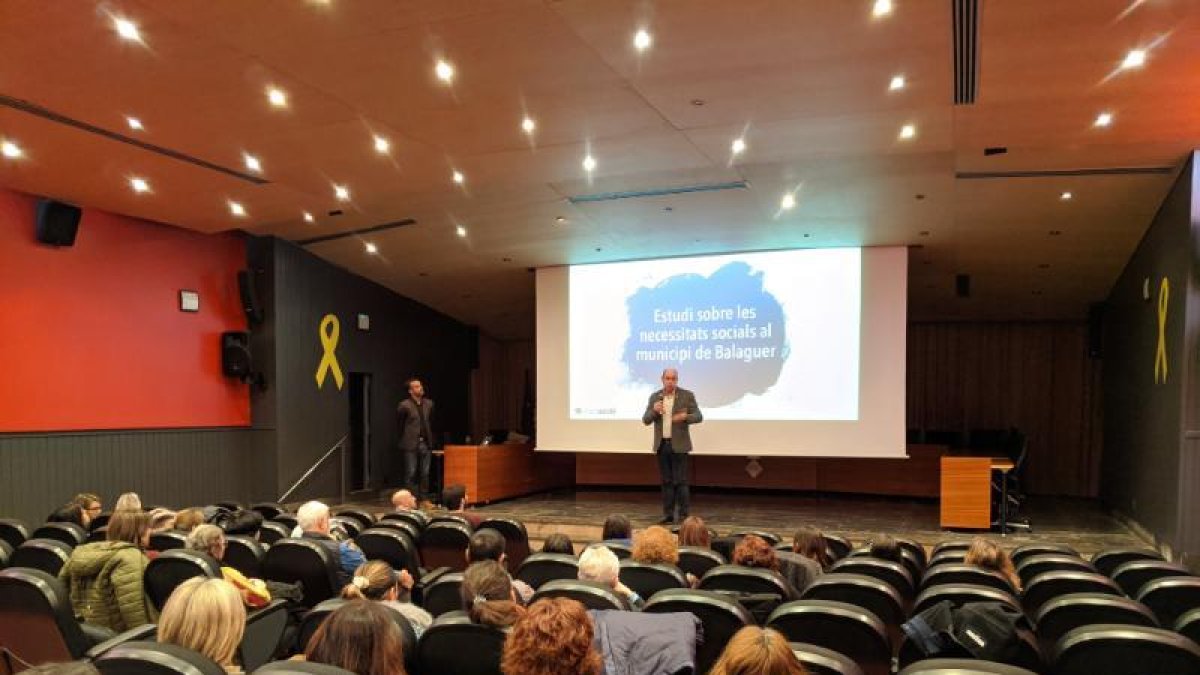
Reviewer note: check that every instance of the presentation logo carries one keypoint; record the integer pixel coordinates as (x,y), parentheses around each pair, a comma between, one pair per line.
(725,333)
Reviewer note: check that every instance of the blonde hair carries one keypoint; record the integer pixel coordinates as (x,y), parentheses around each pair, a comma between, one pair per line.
(988,555)
(372,581)
(204,538)
(128,501)
(205,616)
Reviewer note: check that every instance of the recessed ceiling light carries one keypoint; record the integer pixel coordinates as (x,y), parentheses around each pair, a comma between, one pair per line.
(881,8)
(788,201)
(589,163)
(308,217)
(444,71)
(237,209)
(1066,196)
(371,247)
(382,145)
(127,29)
(10,150)
(1103,119)
(528,125)
(642,40)
(458,177)
(1136,58)
(277,97)
(738,146)
(134,123)
(460,231)
(560,219)
(341,192)
(897,83)
(908,131)
(252,162)
(139,185)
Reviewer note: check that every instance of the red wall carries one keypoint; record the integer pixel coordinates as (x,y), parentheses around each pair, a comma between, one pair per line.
(91,337)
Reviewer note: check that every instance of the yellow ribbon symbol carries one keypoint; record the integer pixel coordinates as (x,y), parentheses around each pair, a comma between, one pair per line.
(1160,356)
(329,331)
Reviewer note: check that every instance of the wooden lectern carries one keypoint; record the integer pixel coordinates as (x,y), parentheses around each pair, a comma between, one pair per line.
(504,470)
(967,490)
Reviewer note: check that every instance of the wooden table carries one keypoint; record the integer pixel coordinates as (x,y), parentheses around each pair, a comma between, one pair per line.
(966,491)
(503,470)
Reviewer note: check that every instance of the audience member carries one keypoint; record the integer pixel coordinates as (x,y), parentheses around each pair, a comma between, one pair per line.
(454,498)
(885,547)
(599,564)
(810,543)
(488,596)
(694,532)
(313,521)
(758,651)
(558,543)
(161,519)
(90,503)
(377,581)
(104,578)
(403,500)
(362,637)
(554,637)
(188,519)
(655,545)
(489,545)
(128,501)
(988,555)
(70,513)
(205,616)
(617,528)
(754,551)
(210,540)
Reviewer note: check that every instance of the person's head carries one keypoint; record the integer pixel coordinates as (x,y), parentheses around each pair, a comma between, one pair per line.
(885,547)
(757,651)
(597,563)
(670,380)
(754,551)
(375,580)
(486,544)
(162,519)
(207,539)
(558,543)
(70,513)
(362,637)
(415,388)
(810,543)
(129,526)
(188,519)
(403,500)
(205,616)
(616,526)
(454,497)
(89,503)
(487,595)
(656,544)
(554,637)
(693,532)
(988,555)
(313,517)
(128,501)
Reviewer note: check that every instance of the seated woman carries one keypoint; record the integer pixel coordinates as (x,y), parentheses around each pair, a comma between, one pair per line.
(162,519)
(754,551)
(554,637)
(205,616)
(90,504)
(70,513)
(210,540)
(810,543)
(757,651)
(655,545)
(362,637)
(128,501)
(488,596)
(377,581)
(105,578)
(618,529)
(188,519)
(558,543)
(694,532)
(986,554)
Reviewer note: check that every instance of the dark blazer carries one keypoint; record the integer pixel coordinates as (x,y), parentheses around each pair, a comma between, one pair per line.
(409,422)
(685,401)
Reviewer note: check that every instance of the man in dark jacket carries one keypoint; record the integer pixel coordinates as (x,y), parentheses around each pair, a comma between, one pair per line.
(416,437)
(672,410)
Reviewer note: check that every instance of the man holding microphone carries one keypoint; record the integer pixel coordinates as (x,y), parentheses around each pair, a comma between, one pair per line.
(672,410)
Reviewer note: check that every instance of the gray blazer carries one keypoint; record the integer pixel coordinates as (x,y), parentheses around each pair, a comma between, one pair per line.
(681,440)
(408,419)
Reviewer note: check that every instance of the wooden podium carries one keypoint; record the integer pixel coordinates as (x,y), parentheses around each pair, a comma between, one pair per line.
(504,470)
(967,490)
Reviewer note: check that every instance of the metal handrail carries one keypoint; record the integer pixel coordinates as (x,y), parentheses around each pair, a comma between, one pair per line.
(342,478)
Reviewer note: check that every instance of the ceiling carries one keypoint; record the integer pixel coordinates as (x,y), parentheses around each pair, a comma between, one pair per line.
(804,82)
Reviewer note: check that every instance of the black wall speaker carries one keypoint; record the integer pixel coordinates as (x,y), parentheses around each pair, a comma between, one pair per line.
(249,292)
(57,222)
(1096,330)
(235,354)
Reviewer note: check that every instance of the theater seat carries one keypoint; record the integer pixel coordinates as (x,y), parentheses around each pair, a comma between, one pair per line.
(47,555)
(443,544)
(264,631)
(317,615)
(1033,565)
(961,573)
(822,661)
(391,546)
(268,509)
(153,658)
(450,518)
(403,527)
(302,668)
(770,537)
(646,579)
(1188,625)
(876,596)
(516,539)
(540,568)
(590,594)
(288,520)
(13,531)
(1135,574)
(168,540)
(6,551)
(171,568)
(622,550)
(100,521)
(1020,553)
(304,561)
(838,546)
(440,649)
(960,594)
(1061,615)
(914,547)
(98,534)
(1026,655)
(1171,597)
(1049,585)
(68,533)
(894,574)
(1109,560)
(270,532)
(229,505)
(962,667)
(365,518)
(949,556)
(418,519)
(844,628)
(698,561)
(244,554)
(37,623)
(1104,649)
(720,616)
(943,546)
(350,526)
(443,594)
(908,560)
(744,580)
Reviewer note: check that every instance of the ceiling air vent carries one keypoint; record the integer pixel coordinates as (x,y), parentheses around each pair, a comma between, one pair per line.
(966,51)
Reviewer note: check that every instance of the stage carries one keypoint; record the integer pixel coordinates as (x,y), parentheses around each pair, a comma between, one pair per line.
(1080,523)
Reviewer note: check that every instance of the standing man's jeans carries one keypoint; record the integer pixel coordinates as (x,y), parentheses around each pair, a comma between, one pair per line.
(673,471)
(416,469)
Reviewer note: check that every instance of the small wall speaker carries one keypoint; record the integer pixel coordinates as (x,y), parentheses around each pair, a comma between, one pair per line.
(57,222)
